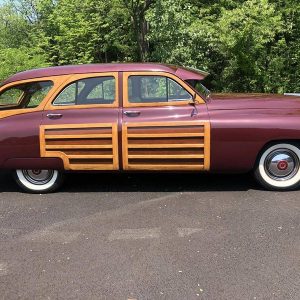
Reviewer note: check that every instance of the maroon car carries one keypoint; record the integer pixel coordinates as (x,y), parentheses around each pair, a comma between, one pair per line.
(142,117)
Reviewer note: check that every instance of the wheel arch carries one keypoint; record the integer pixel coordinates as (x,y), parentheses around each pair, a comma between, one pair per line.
(278,179)
(295,142)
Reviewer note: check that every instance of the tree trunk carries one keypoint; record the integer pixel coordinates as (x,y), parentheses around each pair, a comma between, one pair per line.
(138,11)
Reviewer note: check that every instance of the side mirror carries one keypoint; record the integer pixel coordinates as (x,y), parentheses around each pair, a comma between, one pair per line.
(194,99)
(193,102)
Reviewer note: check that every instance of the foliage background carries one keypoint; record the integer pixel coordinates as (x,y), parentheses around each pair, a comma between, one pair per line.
(247,46)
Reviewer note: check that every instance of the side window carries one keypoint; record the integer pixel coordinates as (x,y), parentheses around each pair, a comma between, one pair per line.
(176,92)
(149,89)
(96,90)
(11,96)
(27,95)
(36,93)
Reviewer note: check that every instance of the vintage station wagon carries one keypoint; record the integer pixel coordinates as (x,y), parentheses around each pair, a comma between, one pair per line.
(142,117)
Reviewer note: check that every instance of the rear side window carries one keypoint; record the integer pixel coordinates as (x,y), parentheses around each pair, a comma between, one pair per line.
(148,89)
(27,95)
(96,90)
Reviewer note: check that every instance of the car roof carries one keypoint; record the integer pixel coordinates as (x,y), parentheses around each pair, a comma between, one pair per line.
(182,72)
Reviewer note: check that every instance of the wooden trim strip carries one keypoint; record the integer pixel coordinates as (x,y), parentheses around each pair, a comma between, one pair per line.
(115,146)
(157,167)
(207,130)
(158,135)
(166,156)
(125,145)
(80,126)
(78,136)
(66,147)
(173,146)
(85,156)
(167,124)
(42,141)
(92,167)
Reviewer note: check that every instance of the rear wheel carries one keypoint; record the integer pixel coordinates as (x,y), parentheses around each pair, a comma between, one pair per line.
(38,181)
(278,167)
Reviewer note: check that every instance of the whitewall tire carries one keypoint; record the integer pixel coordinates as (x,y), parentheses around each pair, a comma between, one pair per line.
(38,181)
(278,167)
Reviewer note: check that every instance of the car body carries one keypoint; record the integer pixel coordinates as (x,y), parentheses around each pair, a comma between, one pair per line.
(141,117)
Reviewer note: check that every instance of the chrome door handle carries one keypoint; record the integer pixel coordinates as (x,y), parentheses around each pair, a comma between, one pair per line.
(54,116)
(132,113)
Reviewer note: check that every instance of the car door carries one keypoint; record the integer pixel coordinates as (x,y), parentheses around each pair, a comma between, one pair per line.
(161,127)
(80,125)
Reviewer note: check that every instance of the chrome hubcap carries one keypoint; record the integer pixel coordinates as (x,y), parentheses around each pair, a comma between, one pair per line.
(282,164)
(38,177)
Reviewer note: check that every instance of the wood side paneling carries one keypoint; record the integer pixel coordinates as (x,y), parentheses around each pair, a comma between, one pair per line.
(70,142)
(166,146)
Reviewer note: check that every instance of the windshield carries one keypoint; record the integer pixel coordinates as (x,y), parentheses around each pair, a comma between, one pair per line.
(199,87)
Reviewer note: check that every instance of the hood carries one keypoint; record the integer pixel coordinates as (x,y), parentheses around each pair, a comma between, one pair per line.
(252,101)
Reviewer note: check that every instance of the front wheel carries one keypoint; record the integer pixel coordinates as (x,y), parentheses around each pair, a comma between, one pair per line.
(38,181)
(278,167)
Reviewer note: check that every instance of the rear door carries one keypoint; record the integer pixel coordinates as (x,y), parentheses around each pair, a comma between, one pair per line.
(81,125)
(161,130)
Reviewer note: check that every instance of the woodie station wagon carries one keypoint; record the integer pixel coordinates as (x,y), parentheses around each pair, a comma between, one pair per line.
(142,117)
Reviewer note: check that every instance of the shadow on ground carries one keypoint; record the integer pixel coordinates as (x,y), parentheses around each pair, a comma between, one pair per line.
(137,182)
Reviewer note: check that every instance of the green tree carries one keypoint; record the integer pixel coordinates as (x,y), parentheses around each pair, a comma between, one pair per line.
(14,30)
(13,60)
(287,51)
(246,45)
(247,35)
(85,31)
(17,52)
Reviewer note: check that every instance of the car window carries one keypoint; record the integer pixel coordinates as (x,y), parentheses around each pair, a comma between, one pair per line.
(11,96)
(199,87)
(148,89)
(27,95)
(37,93)
(96,90)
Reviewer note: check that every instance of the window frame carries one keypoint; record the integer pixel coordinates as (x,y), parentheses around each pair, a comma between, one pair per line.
(184,85)
(21,98)
(57,82)
(78,77)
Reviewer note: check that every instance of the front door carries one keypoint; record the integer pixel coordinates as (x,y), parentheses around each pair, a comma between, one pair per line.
(161,130)
(80,125)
